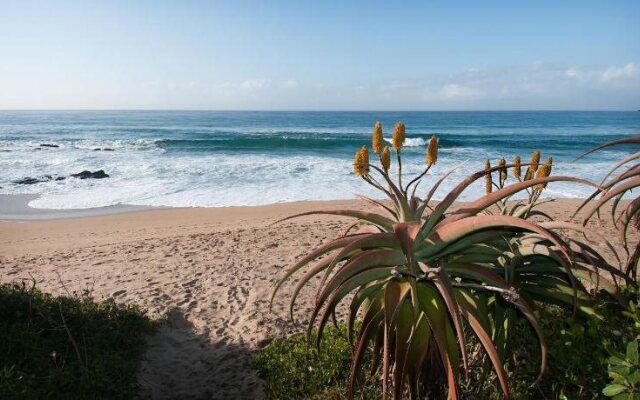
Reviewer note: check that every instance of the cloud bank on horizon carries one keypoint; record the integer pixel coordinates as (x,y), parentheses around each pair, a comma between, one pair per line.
(330,56)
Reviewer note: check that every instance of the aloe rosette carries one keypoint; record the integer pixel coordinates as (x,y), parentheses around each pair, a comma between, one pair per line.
(419,276)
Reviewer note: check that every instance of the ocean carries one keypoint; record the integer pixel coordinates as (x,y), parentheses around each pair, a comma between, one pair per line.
(224,158)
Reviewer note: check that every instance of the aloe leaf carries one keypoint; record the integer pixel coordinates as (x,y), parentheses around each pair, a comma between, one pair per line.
(435,311)
(369,330)
(491,278)
(630,140)
(375,219)
(619,164)
(362,262)
(393,213)
(553,225)
(340,292)
(403,329)
(405,233)
(489,199)
(375,240)
(623,187)
(320,251)
(367,293)
(416,354)
(470,311)
(443,285)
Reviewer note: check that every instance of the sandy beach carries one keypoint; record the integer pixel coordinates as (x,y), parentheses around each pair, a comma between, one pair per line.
(208,271)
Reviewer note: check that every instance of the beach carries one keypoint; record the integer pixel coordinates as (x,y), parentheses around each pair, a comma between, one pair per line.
(209,272)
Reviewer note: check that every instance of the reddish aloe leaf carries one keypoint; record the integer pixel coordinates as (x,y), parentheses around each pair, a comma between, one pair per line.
(367,333)
(374,240)
(367,293)
(450,232)
(487,200)
(362,262)
(630,140)
(553,225)
(313,271)
(627,159)
(394,213)
(620,189)
(443,285)
(362,278)
(452,196)
(631,211)
(320,251)
(491,278)
(406,232)
(373,218)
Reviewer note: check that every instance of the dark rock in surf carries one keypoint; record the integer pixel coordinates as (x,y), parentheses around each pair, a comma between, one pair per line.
(48,145)
(100,174)
(44,178)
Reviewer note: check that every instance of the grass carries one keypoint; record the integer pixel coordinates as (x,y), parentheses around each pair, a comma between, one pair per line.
(68,347)
(292,369)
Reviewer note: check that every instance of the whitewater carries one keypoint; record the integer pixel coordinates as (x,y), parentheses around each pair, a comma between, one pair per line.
(219,158)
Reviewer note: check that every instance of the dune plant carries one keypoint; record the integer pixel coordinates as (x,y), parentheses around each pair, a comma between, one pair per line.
(419,276)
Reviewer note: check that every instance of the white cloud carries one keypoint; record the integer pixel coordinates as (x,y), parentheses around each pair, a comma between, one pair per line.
(629,71)
(289,84)
(454,90)
(254,84)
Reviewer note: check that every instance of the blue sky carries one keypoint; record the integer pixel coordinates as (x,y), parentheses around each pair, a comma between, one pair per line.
(311,55)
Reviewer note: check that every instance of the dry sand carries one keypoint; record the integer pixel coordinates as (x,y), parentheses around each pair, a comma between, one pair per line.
(208,271)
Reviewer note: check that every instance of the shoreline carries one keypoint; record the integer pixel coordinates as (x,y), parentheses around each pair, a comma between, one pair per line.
(15,207)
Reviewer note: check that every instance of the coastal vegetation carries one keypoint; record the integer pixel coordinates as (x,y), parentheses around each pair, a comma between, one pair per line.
(69,346)
(439,297)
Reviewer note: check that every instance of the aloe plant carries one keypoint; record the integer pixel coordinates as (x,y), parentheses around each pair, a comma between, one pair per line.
(418,275)
(612,189)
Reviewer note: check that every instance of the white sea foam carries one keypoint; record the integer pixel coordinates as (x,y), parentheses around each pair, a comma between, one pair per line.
(410,142)
(144,172)
(148,177)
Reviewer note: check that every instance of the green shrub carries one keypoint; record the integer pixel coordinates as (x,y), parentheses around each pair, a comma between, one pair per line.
(578,349)
(68,347)
(292,369)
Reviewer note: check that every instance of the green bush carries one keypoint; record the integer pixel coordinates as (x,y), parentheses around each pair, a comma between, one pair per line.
(68,347)
(578,349)
(292,369)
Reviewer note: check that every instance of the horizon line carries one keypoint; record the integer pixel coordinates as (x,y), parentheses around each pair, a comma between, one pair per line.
(310,110)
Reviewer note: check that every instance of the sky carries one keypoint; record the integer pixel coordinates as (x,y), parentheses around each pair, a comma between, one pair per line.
(320,55)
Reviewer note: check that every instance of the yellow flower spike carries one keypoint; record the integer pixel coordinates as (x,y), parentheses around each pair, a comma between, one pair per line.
(535,160)
(488,183)
(377,141)
(533,167)
(517,168)
(503,169)
(432,150)
(543,172)
(385,158)
(398,136)
(361,162)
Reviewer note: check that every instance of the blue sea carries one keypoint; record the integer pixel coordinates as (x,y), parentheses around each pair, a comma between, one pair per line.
(221,158)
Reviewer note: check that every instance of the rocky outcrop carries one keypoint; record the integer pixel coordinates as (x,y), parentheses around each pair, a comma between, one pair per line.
(44,178)
(48,145)
(99,174)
